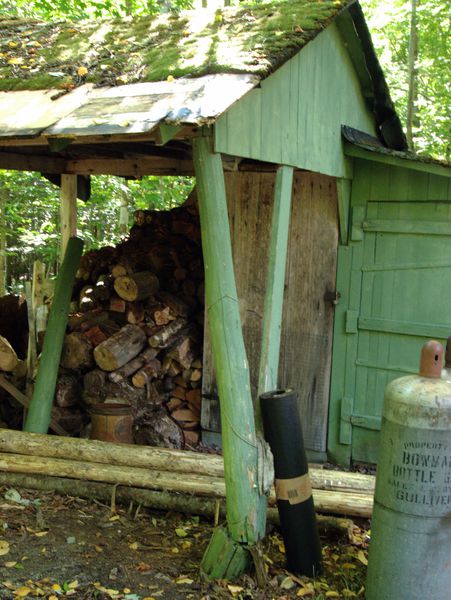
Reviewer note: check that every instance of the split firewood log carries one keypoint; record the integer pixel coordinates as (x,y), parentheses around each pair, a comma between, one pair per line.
(150,370)
(68,391)
(135,313)
(163,337)
(8,356)
(121,347)
(176,305)
(182,352)
(133,365)
(86,320)
(155,427)
(77,352)
(94,383)
(117,304)
(136,286)
(95,335)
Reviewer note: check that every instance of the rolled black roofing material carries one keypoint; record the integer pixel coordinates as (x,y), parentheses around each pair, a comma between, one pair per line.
(283,432)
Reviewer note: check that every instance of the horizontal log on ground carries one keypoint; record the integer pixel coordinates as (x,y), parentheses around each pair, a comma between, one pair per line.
(133,476)
(149,457)
(159,500)
(152,457)
(336,502)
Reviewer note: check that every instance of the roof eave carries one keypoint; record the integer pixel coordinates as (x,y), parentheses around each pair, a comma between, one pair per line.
(354,30)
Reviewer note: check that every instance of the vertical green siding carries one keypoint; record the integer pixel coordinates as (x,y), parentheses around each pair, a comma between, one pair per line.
(394,278)
(296,115)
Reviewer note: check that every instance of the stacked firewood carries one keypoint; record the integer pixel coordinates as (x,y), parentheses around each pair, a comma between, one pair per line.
(136,334)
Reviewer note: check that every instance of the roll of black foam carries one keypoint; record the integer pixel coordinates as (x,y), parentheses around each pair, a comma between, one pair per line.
(282,427)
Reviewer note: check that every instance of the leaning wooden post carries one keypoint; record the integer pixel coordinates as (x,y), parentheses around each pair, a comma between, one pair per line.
(227,555)
(40,411)
(275,282)
(68,211)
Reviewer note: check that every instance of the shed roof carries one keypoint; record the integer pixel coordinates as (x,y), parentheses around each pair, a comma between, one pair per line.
(257,40)
(106,81)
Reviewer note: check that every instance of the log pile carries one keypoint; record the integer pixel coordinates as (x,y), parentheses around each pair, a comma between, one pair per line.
(154,472)
(135,335)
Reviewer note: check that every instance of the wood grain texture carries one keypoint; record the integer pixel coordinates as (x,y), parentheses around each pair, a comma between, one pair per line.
(295,117)
(311,265)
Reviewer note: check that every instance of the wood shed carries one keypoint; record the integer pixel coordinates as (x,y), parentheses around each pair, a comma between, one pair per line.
(339,236)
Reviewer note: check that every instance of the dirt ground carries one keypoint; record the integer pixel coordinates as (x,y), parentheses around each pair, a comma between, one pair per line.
(54,546)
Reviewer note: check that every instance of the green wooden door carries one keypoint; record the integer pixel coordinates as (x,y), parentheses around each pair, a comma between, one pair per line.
(405,299)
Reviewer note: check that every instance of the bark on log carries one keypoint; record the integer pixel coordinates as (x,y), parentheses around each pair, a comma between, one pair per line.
(182,352)
(135,476)
(167,501)
(77,352)
(121,347)
(68,391)
(8,357)
(136,286)
(93,384)
(164,459)
(326,501)
(133,365)
(150,370)
(163,337)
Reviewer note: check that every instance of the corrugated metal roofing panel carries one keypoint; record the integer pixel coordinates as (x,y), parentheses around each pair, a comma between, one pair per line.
(138,108)
(127,109)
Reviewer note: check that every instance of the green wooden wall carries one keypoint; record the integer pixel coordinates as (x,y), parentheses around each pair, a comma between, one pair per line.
(296,115)
(394,277)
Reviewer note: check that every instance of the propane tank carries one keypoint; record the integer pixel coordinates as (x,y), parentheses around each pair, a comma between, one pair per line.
(410,548)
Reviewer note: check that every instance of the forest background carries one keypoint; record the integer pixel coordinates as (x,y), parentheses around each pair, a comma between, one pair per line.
(410,37)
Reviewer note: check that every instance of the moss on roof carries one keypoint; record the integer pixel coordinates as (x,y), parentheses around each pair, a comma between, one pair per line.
(257,39)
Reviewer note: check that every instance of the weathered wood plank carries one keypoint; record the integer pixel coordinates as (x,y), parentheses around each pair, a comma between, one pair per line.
(272,317)
(312,140)
(68,211)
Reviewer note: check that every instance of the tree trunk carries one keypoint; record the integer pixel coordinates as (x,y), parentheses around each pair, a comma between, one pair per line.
(121,347)
(411,117)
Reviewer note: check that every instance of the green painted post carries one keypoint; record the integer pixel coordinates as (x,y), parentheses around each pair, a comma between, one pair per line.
(39,414)
(275,283)
(246,514)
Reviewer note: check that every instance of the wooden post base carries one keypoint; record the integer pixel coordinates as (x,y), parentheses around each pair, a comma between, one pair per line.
(225,558)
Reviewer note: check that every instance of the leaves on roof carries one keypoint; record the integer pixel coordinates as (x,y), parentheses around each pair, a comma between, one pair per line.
(244,39)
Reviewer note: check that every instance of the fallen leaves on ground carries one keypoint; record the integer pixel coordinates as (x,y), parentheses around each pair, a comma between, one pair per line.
(89,553)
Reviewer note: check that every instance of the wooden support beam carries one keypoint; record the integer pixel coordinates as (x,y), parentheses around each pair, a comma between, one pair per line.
(68,210)
(275,282)
(246,514)
(39,415)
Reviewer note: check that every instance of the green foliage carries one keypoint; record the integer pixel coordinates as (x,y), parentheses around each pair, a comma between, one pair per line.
(86,9)
(389,24)
(32,215)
